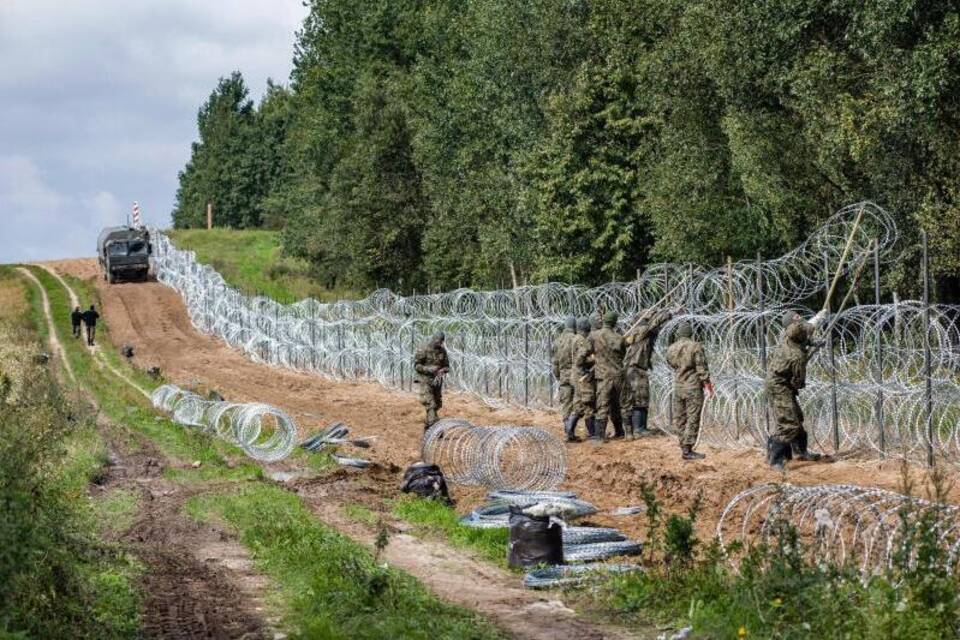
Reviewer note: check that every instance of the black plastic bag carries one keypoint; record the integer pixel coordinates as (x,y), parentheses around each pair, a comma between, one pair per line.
(534,540)
(426,481)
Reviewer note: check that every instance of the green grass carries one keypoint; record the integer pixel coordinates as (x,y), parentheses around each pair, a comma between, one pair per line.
(332,587)
(437,519)
(116,510)
(361,514)
(252,260)
(56,578)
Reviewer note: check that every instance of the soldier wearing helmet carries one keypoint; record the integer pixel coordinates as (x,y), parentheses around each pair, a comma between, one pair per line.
(786,376)
(431,364)
(562,362)
(691,376)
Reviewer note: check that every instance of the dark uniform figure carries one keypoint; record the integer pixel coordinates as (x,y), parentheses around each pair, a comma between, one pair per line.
(581,377)
(90,322)
(431,364)
(786,375)
(76,317)
(635,397)
(685,356)
(608,347)
(562,366)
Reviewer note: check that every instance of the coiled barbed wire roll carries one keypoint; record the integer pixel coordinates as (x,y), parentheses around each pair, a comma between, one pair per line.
(264,432)
(500,342)
(572,575)
(504,457)
(600,551)
(841,524)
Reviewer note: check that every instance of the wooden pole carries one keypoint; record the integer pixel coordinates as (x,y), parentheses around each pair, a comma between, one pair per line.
(927,360)
(209,216)
(843,259)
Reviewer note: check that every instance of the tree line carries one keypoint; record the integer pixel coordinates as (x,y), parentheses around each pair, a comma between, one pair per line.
(430,144)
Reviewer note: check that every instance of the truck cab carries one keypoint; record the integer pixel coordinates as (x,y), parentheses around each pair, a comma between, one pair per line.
(124,253)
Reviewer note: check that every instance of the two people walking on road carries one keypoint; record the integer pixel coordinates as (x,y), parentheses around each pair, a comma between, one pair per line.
(89,320)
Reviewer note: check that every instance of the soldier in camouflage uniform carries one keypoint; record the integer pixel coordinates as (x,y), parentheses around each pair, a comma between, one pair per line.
(786,375)
(609,348)
(581,376)
(562,365)
(691,376)
(431,364)
(635,397)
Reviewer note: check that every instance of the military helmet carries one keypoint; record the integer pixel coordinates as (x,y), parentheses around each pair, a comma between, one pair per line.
(789,317)
(683,330)
(570,323)
(583,324)
(610,318)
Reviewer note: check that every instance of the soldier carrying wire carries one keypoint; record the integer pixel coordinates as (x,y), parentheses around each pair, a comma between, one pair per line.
(432,365)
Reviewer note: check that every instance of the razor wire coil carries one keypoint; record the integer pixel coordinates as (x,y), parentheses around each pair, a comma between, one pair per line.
(264,432)
(505,457)
(843,525)
(500,342)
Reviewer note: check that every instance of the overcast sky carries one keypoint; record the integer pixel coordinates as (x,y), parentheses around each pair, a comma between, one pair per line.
(98,104)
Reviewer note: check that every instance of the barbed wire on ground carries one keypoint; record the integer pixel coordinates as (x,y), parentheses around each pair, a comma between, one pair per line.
(870,529)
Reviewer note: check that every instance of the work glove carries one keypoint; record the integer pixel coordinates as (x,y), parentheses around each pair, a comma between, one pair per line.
(819,318)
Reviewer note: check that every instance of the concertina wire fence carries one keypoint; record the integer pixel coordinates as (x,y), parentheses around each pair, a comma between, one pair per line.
(869,392)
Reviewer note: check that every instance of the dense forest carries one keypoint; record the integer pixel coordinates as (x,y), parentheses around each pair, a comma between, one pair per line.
(428,144)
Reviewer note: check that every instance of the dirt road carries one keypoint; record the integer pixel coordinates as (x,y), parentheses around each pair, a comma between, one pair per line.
(152,317)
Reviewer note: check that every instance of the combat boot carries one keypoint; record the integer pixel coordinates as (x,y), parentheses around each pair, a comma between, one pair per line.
(570,427)
(591,424)
(639,420)
(618,432)
(430,419)
(798,449)
(687,453)
(599,430)
(777,453)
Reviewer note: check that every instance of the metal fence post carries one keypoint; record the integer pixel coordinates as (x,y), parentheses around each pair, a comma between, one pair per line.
(526,363)
(881,434)
(834,414)
(762,339)
(927,360)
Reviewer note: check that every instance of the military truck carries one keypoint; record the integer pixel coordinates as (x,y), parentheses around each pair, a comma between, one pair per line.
(124,253)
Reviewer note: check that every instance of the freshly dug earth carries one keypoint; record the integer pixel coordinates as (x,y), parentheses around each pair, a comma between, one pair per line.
(152,318)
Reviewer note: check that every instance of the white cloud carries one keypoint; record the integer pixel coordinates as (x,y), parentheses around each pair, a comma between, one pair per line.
(98,103)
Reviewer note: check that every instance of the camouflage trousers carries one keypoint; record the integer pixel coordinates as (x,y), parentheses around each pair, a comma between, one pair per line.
(585,397)
(636,390)
(687,404)
(608,397)
(565,394)
(787,415)
(431,397)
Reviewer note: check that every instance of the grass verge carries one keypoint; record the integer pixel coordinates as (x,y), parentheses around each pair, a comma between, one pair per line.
(252,260)
(332,587)
(434,518)
(57,580)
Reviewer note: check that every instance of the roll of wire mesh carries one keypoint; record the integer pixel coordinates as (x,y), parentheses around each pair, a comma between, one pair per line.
(504,457)
(264,432)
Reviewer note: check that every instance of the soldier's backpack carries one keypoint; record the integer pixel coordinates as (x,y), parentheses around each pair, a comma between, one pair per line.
(426,481)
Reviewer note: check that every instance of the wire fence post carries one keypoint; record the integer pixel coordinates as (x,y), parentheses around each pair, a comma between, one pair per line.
(881,434)
(526,363)
(413,352)
(834,415)
(762,340)
(550,378)
(927,360)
